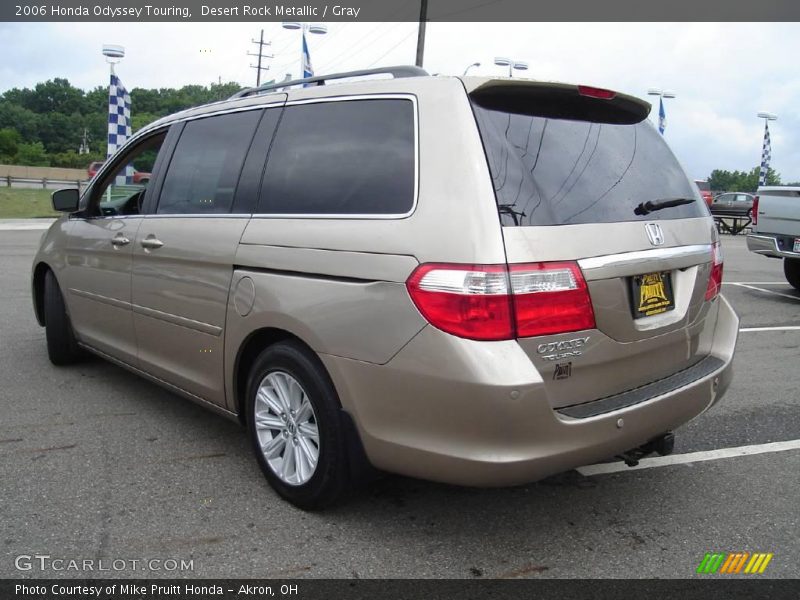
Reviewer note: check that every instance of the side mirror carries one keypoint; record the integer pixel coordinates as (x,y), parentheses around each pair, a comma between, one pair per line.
(66,200)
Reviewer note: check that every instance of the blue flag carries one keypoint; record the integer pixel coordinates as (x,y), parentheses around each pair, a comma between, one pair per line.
(308,70)
(662,116)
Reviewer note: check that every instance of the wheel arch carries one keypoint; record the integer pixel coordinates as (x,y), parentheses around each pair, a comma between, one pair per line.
(249,350)
(37,283)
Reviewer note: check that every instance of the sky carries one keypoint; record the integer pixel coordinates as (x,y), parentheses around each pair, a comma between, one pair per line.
(721,73)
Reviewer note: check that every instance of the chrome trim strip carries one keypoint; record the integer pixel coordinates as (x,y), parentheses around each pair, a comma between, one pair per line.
(633,258)
(151,312)
(103,299)
(198,215)
(176,320)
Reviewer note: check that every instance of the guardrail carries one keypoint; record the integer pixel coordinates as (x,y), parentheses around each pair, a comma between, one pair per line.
(44,183)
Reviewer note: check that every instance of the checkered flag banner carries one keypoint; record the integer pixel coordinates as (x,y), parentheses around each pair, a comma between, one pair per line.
(766,155)
(119,123)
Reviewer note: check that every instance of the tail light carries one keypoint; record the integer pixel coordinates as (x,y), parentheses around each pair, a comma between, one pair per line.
(494,302)
(754,211)
(715,279)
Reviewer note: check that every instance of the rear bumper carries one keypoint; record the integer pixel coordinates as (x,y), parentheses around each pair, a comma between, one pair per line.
(769,245)
(476,413)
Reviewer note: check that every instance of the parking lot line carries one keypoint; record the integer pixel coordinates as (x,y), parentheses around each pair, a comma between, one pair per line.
(691,457)
(784,328)
(758,289)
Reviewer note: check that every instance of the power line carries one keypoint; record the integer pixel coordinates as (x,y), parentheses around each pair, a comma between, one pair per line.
(403,39)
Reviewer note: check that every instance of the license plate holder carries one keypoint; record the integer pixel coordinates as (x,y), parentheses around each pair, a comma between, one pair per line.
(796,245)
(651,294)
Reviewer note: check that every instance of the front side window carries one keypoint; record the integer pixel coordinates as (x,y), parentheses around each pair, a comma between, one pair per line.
(354,157)
(206,164)
(122,191)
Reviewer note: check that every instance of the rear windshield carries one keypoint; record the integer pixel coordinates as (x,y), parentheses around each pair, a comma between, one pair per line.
(562,172)
(703,185)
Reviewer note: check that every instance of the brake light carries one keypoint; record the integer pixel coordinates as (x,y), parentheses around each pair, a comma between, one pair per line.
(493,302)
(754,211)
(593,92)
(715,278)
(550,298)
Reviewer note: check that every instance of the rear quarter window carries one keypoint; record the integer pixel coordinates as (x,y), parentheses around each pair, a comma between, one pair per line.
(350,157)
(549,171)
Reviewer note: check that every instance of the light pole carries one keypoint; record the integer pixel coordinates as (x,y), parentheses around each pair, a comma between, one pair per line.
(662,116)
(305,57)
(766,148)
(113,54)
(513,65)
(475,64)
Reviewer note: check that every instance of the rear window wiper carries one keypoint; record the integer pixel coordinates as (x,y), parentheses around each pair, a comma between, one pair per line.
(508,209)
(646,208)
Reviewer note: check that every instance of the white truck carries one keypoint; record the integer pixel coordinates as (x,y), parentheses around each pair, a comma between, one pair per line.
(775,230)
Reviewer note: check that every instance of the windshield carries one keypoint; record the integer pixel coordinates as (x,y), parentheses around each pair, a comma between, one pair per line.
(561,172)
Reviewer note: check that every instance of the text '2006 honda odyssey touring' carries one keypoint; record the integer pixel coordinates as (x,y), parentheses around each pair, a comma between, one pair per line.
(469,280)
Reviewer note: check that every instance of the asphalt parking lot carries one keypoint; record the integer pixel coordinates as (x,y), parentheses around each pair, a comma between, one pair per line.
(97,463)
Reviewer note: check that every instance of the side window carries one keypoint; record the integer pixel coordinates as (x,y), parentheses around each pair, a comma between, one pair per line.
(122,191)
(205,166)
(343,157)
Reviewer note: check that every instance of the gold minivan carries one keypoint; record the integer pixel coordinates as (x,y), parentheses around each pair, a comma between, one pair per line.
(470,280)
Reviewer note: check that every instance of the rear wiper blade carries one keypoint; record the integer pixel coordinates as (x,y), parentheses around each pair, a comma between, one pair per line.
(646,208)
(508,209)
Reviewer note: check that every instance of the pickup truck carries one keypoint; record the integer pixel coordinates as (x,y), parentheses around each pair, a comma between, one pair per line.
(775,230)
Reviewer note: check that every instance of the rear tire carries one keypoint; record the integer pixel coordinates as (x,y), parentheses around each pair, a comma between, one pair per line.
(62,347)
(791,268)
(286,432)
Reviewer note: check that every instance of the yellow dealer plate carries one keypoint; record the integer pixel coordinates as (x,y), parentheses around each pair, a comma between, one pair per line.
(651,294)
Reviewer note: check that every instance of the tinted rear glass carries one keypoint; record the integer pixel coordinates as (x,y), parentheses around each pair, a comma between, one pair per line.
(205,167)
(345,157)
(563,172)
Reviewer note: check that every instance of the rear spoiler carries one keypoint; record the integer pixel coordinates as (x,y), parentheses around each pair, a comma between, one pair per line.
(557,101)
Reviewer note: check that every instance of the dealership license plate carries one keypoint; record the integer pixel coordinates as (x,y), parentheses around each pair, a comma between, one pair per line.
(796,245)
(651,294)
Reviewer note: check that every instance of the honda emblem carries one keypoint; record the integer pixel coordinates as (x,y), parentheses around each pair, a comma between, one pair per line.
(654,233)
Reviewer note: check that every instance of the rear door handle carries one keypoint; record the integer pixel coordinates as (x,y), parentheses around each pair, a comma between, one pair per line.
(151,242)
(120,240)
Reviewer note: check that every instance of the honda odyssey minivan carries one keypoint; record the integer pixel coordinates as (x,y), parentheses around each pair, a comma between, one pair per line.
(470,280)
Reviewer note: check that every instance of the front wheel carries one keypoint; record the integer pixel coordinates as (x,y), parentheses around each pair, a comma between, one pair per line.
(294,426)
(791,268)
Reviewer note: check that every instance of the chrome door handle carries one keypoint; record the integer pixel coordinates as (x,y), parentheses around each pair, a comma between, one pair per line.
(151,242)
(120,240)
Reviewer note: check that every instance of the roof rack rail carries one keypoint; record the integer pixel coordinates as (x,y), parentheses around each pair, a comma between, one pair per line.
(396,72)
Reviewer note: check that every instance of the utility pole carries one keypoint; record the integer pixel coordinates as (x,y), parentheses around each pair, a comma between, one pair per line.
(84,149)
(423,16)
(260,54)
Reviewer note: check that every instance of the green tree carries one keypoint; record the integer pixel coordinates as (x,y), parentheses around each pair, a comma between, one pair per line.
(9,143)
(32,155)
(20,119)
(56,96)
(740,181)
(55,114)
